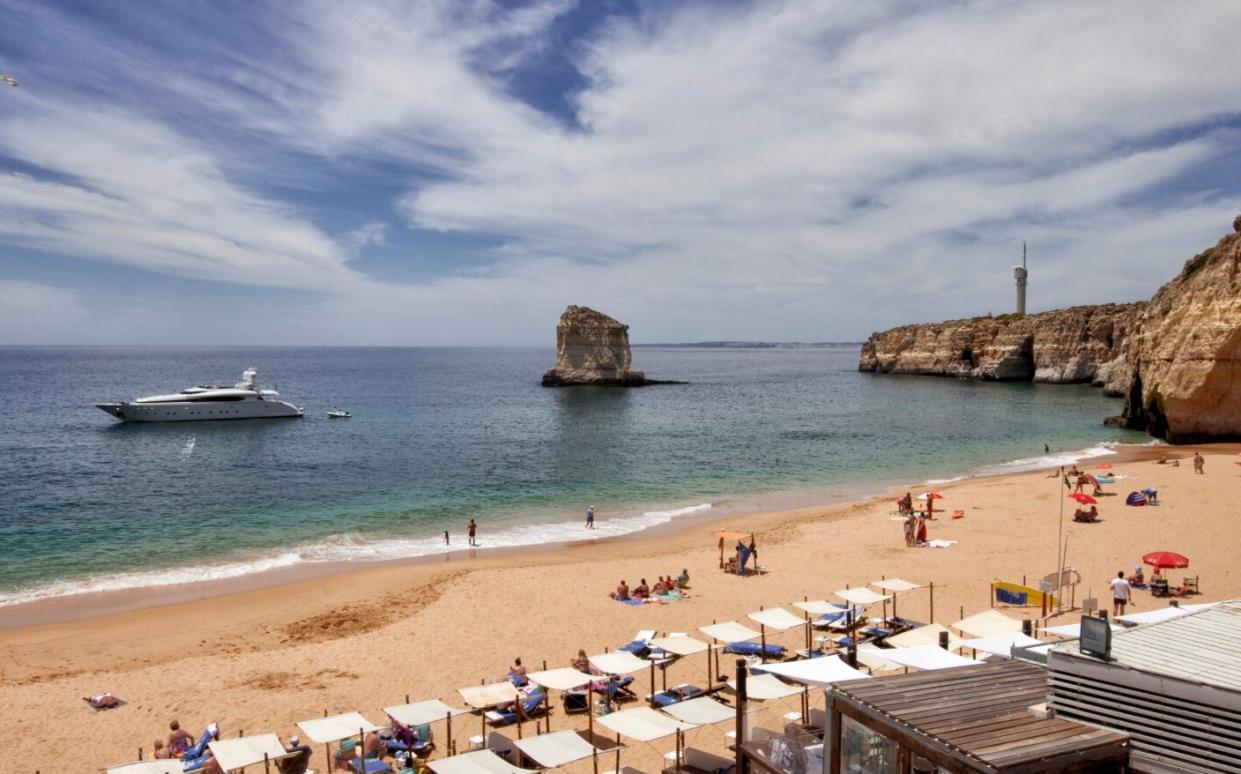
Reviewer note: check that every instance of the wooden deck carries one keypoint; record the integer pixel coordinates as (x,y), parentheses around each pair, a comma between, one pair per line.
(977,718)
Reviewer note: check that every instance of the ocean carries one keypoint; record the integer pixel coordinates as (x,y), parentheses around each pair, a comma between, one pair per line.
(440,436)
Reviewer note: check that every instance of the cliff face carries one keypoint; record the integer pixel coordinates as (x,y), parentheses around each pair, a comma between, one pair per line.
(1180,369)
(1176,359)
(1060,347)
(591,348)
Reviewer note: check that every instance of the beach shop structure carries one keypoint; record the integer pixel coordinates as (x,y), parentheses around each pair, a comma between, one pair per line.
(976,718)
(1173,685)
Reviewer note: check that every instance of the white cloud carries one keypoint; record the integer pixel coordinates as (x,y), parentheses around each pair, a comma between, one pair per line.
(780,170)
(33,313)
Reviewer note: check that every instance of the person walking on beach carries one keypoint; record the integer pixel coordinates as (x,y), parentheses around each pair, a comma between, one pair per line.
(1198,462)
(445,537)
(1046,449)
(471,529)
(590,517)
(1121,594)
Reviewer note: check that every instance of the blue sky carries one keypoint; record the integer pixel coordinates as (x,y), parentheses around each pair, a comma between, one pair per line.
(456,173)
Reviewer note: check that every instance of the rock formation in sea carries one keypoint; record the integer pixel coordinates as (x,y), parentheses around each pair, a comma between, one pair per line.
(591,348)
(1176,359)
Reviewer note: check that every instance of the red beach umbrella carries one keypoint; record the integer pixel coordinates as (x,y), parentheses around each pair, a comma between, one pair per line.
(930,496)
(1165,559)
(1084,499)
(1103,465)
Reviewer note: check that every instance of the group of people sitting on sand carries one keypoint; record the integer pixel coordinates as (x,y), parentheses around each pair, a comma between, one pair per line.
(1086,516)
(662,588)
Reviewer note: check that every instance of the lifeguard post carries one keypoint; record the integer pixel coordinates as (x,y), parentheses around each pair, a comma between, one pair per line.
(1020,273)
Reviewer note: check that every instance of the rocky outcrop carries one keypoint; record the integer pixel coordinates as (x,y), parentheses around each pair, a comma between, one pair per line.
(1061,347)
(591,348)
(1176,359)
(1180,369)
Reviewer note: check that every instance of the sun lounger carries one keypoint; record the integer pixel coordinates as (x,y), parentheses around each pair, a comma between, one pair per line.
(531,705)
(637,647)
(755,649)
(676,694)
(369,766)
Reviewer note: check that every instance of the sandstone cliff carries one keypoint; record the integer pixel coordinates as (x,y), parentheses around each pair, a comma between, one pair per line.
(1180,369)
(591,348)
(1176,359)
(1060,347)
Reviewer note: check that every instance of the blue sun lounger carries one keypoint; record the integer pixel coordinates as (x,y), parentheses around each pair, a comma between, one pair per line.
(530,705)
(754,649)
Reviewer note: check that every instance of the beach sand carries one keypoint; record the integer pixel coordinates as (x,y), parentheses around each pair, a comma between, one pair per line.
(260,660)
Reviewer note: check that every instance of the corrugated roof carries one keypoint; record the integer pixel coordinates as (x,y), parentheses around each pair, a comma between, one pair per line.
(1202,647)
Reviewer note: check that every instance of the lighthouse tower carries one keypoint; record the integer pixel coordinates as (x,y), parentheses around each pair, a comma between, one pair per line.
(1020,273)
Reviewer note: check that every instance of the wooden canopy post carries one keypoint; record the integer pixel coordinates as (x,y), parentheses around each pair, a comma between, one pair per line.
(652,670)
(618,748)
(742,761)
(594,758)
(932,615)
(710,682)
(590,708)
(266,764)
(450,745)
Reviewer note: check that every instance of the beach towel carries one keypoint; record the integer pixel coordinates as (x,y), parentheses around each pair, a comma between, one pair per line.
(940,543)
(631,601)
(744,553)
(1010,597)
(637,647)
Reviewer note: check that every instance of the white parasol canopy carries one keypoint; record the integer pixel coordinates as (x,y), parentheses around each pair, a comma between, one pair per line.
(819,607)
(477,762)
(872,657)
(247,750)
(896,585)
(1000,644)
(987,623)
(334,728)
(678,645)
(762,687)
(861,596)
(1154,616)
(777,618)
(821,671)
(485,696)
(564,679)
(923,635)
(643,724)
(555,749)
(619,662)
(702,711)
(146,767)
(421,712)
(730,631)
(1073,630)
(927,658)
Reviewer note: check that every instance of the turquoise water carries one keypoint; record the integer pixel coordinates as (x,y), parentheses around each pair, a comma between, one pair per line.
(440,436)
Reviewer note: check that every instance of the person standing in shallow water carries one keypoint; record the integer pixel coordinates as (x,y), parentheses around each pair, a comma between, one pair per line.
(590,517)
(471,530)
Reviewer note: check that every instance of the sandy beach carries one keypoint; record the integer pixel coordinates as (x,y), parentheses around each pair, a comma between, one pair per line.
(261,660)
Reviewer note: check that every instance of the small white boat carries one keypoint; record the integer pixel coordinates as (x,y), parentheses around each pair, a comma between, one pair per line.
(339,414)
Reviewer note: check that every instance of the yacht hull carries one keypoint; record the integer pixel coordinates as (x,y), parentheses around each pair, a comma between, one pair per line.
(200,412)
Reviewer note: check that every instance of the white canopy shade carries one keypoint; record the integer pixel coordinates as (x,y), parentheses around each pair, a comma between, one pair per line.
(861,596)
(987,623)
(247,750)
(619,662)
(422,712)
(335,728)
(821,671)
(896,585)
(730,631)
(564,679)
(923,635)
(1154,616)
(555,749)
(763,687)
(819,607)
(485,696)
(146,767)
(927,658)
(477,762)
(1000,644)
(678,645)
(643,724)
(777,618)
(871,657)
(702,711)
(1073,630)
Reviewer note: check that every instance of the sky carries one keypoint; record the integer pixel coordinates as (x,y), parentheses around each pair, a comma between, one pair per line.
(456,173)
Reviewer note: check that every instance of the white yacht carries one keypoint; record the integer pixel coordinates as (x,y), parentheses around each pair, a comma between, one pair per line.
(244,400)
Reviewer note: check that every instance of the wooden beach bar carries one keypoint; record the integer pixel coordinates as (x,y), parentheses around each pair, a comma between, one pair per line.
(985,718)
